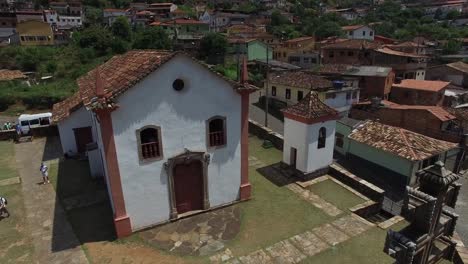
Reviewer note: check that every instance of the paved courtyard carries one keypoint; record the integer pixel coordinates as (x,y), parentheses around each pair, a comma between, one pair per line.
(52,234)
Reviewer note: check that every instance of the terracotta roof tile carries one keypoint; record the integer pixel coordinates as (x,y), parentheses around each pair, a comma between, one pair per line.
(398,141)
(431,86)
(389,51)
(294,40)
(64,108)
(9,75)
(311,108)
(459,65)
(301,79)
(353,44)
(353,27)
(122,72)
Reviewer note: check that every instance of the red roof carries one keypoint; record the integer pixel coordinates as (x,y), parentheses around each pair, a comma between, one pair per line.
(389,51)
(353,27)
(119,74)
(64,108)
(310,110)
(353,44)
(178,21)
(430,86)
(299,39)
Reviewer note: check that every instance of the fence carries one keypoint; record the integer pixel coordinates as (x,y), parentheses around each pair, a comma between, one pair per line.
(266,133)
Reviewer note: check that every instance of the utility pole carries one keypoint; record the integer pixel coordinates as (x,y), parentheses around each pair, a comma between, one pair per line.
(266,86)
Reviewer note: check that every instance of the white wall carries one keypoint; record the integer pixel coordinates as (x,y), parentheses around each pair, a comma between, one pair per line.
(181,116)
(77,119)
(304,138)
(359,33)
(340,103)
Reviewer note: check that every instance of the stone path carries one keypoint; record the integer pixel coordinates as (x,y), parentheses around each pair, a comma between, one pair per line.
(53,238)
(297,248)
(198,235)
(314,199)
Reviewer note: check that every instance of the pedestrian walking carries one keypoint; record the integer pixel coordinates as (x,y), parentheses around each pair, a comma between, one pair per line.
(45,173)
(3,207)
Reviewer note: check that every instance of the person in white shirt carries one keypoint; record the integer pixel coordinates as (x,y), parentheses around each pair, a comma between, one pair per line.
(45,173)
(3,207)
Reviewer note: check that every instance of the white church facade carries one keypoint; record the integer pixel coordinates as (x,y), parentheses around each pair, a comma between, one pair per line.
(169,135)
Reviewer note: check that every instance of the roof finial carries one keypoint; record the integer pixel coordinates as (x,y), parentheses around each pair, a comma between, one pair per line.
(244,72)
(99,85)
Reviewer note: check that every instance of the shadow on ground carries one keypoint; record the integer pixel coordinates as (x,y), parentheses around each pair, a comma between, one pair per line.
(82,199)
(278,174)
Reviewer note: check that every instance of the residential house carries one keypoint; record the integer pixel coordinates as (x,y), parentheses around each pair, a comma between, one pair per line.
(34,33)
(432,121)
(23,15)
(74,9)
(456,73)
(348,13)
(253,49)
(305,60)
(344,126)
(418,92)
(292,86)
(186,32)
(406,65)
(384,40)
(111,14)
(352,51)
(8,33)
(302,45)
(245,30)
(374,81)
(59,7)
(162,9)
(358,32)
(69,22)
(397,153)
(309,133)
(443,6)
(221,20)
(143,18)
(162,158)
(51,17)
(409,47)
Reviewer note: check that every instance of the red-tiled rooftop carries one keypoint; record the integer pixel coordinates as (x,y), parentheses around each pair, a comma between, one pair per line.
(353,44)
(353,27)
(423,85)
(178,21)
(9,75)
(389,51)
(310,109)
(294,40)
(300,79)
(122,72)
(398,141)
(63,109)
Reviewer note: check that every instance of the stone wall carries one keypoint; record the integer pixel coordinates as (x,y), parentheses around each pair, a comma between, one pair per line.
(266,133)
(43,131)
(373,192)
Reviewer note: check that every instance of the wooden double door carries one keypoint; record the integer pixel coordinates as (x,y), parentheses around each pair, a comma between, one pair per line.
(188,186)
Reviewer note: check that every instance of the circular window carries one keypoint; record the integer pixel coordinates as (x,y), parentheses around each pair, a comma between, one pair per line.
(178,85)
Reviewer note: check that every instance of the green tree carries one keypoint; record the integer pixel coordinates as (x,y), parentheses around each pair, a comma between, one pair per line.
(328,29)
(213,44)
(121,28)
(93,16)
(451,47)
(453,14)
(152,38)
(95,37)
(277,19)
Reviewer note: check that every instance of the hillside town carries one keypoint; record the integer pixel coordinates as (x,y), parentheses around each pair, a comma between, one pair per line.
(242,132)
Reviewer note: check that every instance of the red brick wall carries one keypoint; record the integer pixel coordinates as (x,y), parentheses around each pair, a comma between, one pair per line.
(416,97)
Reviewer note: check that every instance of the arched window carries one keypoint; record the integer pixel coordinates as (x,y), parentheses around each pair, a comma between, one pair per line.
(322,138)
(216,131)
(149,143)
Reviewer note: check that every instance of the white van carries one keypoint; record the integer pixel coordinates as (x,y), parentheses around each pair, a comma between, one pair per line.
(27,121)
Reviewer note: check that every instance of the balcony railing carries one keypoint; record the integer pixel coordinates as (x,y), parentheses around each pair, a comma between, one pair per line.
(150,150)
(217,138)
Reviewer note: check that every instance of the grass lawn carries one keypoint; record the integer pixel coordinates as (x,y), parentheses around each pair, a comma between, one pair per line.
(71,177)
(274,213)
(336,194)
(366,248)
(15,244)
(7,160)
